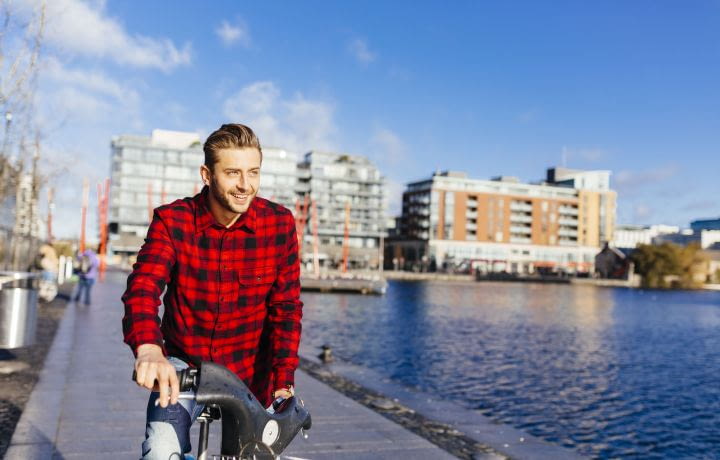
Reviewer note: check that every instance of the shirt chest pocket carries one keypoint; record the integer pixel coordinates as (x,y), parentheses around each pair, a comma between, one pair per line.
(255,285)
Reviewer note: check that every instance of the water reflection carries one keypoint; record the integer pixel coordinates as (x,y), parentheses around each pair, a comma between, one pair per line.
(608,372)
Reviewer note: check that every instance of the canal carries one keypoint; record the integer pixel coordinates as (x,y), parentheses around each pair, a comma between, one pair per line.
(608,372)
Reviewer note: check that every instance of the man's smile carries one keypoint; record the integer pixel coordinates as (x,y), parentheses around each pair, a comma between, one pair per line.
(240,196)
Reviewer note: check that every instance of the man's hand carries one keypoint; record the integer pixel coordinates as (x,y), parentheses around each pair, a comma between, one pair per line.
(151,366)
(282,393)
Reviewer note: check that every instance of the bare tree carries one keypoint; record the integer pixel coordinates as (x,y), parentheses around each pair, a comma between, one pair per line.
(20,45)
(21,38)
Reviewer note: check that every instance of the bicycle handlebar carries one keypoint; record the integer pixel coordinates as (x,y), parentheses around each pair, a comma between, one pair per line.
(244,420)
(187,378)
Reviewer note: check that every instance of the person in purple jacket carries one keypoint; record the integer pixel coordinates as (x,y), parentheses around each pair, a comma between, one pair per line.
(87,270)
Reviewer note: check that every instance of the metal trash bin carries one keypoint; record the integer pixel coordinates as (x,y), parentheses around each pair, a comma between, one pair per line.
(18,308)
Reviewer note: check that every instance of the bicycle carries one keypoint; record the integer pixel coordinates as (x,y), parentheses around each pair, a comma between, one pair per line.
(249,431)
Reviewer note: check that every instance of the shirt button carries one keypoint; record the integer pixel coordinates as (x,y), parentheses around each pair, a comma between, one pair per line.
(258,278)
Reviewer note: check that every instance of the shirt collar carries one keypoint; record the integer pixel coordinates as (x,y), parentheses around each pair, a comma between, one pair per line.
(204,218)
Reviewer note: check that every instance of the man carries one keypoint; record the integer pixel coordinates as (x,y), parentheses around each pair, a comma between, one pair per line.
(88,267)
(230,263)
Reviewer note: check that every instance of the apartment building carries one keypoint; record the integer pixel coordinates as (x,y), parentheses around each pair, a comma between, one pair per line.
(339,183)
(148,171)
(705,224)
(450,220)
(630,236)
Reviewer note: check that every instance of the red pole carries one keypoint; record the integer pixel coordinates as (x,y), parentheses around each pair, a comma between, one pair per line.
(100,228)
(102,216)
(302,224)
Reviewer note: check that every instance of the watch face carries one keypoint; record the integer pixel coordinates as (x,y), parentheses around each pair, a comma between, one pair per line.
(279,405)
(271,432)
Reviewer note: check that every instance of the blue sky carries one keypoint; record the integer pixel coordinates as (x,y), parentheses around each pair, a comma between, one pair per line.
(490,88)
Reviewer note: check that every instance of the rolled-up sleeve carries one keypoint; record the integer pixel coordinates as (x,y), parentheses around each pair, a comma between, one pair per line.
(145,285)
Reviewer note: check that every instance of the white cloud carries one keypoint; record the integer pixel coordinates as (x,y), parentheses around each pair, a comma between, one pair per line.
(296,123)
(79,110)
(642,212)
(80,28)
(394,191)
(93,81)
(231,34)
(84,95)
(360,51)
(390,148)
(626,179)
(528,116)
(583,154)
(389,153)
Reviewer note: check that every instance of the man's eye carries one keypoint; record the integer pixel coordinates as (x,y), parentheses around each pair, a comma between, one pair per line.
(233,173)
(254,173)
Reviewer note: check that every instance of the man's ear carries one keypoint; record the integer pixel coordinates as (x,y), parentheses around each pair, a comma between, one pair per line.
(205,174)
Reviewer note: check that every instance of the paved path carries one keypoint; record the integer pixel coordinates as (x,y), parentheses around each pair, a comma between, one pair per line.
(85,406)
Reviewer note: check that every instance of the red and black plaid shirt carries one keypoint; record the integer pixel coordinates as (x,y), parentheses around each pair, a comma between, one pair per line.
(233,294)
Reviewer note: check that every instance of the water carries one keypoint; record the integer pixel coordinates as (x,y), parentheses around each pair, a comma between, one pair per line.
(607,372)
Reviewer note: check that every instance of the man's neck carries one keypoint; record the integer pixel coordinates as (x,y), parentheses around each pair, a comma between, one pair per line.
(222,216)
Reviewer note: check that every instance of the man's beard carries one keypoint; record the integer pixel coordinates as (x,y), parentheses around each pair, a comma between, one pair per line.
(221,198)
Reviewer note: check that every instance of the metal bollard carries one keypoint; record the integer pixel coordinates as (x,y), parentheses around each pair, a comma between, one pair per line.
(18,309)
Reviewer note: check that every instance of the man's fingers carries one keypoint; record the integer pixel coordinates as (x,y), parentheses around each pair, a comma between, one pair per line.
(146,374)
(141,370)
(174,387)
(157,374)
(150,376)
(163,384)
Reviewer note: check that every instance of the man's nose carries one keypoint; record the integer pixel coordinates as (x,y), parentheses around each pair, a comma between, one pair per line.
(241,182)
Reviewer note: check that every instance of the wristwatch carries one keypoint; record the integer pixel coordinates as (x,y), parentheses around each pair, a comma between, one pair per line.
(289,388)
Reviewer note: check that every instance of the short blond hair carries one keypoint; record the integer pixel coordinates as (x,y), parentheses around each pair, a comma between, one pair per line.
(229,136)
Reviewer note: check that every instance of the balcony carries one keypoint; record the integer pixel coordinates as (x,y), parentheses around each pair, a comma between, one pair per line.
(567,232)
(521,230)
(568,211)
(515,206)
(568,222)
(520,218)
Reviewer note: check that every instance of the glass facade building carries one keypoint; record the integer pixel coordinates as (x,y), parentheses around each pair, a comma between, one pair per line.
(149,171)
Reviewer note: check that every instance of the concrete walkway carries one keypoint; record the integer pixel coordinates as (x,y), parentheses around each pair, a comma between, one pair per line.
(85,406)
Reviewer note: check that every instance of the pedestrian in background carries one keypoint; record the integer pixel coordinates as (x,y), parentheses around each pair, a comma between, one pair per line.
(87,264)
(47,262)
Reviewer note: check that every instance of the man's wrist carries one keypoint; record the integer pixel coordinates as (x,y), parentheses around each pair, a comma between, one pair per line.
(285,391)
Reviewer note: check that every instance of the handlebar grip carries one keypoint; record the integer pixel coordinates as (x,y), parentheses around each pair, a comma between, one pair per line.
(187,378)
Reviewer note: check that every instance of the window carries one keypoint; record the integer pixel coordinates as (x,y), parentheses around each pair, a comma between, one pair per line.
(155,156)
(131,154)
(179,172)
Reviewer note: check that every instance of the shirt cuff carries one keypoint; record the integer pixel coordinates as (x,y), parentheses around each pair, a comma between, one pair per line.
(145,339)
(284,378)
